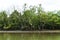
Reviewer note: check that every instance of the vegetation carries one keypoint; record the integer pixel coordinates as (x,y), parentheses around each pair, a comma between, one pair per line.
(34,18)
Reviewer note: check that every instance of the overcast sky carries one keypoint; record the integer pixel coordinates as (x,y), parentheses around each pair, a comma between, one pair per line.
(48,5)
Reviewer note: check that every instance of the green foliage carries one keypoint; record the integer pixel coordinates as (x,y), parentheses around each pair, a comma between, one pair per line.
(3,19)
(34,18)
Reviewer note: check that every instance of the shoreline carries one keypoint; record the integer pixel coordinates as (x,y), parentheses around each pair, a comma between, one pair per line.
(26,32)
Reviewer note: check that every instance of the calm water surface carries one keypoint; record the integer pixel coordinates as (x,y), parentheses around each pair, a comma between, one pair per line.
(29,36)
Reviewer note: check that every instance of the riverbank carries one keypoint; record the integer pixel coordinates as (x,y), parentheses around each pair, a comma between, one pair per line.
(49,31)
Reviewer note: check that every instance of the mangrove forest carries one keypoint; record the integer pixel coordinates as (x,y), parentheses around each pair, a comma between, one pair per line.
(30,19)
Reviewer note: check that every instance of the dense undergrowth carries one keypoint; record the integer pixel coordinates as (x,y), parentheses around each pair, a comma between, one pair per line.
(34,18)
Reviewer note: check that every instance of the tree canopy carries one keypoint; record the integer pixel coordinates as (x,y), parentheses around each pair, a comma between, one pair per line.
(34,18)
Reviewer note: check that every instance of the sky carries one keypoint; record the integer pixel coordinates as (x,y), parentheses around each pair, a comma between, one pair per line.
(48,5)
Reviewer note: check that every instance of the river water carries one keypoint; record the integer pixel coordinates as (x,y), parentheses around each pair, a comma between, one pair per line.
(31,36)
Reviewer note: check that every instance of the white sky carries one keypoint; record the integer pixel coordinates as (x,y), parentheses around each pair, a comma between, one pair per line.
(48,5)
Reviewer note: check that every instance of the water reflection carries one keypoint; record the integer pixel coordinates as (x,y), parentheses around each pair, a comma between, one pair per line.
(29,36)
(6,36)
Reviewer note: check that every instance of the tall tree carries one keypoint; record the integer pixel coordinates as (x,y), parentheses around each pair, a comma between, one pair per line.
(14,20)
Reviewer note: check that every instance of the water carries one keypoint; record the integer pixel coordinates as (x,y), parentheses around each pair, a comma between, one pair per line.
(29,36)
